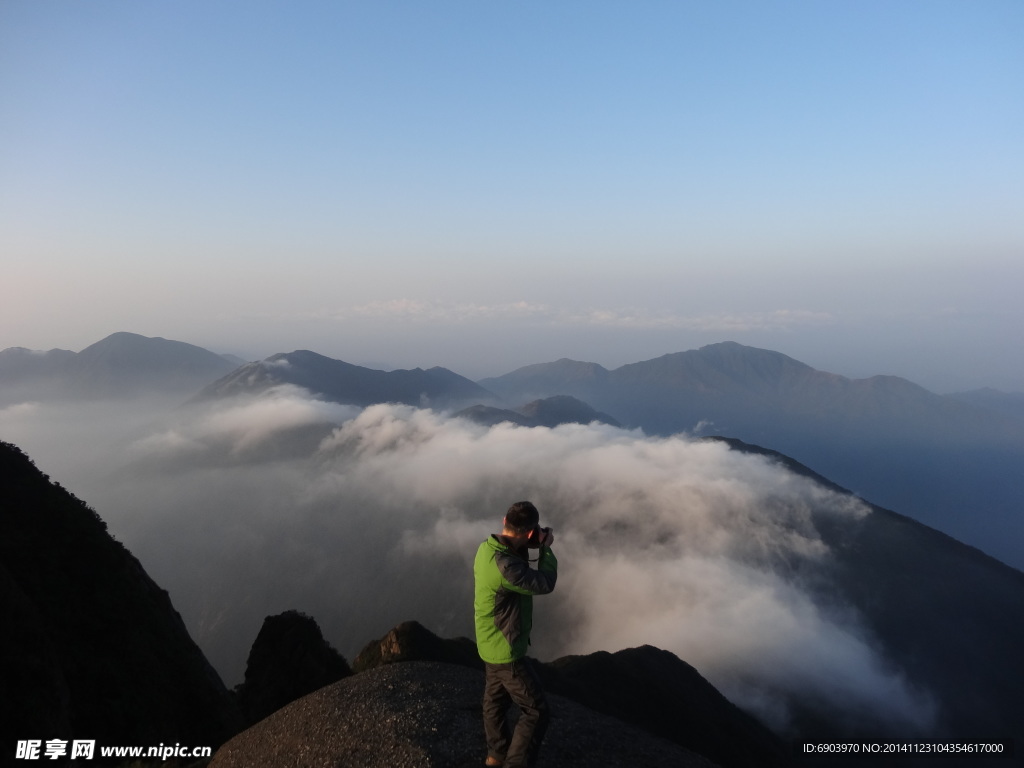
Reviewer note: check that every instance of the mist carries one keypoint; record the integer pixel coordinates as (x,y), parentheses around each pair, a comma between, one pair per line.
(364,518)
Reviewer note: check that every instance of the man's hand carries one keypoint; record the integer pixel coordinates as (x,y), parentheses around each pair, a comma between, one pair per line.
(547,537)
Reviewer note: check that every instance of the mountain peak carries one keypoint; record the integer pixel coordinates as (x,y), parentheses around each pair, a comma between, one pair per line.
(346,383)
(726,365)
(545,412)
(121,365)
(564,409)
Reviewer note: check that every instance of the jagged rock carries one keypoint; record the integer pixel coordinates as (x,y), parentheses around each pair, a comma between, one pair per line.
(422,714)
(289,659)
(92,648)
(411,641)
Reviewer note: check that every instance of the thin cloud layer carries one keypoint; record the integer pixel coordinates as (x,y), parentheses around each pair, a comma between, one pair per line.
(722,322)
(433,311)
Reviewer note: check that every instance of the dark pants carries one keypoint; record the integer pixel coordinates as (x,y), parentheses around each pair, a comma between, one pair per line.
(517,683)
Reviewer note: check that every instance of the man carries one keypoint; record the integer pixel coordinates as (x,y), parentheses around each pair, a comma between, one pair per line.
(505,586)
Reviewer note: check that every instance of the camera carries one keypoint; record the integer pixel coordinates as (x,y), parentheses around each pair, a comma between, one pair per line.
(537,535)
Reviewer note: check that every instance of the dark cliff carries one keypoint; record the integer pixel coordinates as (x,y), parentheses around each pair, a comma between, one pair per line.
(92,647)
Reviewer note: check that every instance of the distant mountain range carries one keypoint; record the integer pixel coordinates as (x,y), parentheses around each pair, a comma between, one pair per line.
(121,365)
(346,383)
(955,462)
(757,394)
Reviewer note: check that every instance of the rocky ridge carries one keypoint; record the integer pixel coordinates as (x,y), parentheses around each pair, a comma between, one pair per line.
(422,714)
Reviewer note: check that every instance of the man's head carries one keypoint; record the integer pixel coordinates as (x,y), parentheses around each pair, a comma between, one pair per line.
(521,520)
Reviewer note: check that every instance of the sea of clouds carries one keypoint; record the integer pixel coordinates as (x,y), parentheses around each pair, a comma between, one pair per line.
(364,518)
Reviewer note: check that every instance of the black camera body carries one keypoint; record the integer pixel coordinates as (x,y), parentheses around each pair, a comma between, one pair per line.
(536,536)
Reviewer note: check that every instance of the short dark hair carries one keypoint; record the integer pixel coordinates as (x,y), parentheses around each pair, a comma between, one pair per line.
(522,517)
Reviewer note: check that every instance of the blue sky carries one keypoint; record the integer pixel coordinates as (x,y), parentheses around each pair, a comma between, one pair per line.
(483,185)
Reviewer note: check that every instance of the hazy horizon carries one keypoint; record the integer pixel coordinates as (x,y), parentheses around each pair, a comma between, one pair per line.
(483,187)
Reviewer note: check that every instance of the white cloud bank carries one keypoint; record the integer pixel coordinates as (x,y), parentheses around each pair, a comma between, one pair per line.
(367,518)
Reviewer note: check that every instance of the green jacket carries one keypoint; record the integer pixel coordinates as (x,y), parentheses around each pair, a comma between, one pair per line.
(505,586)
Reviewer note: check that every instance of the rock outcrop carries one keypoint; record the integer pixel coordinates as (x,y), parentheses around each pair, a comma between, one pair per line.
(411,641)
(289,659)
(421,714)
(647,687)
